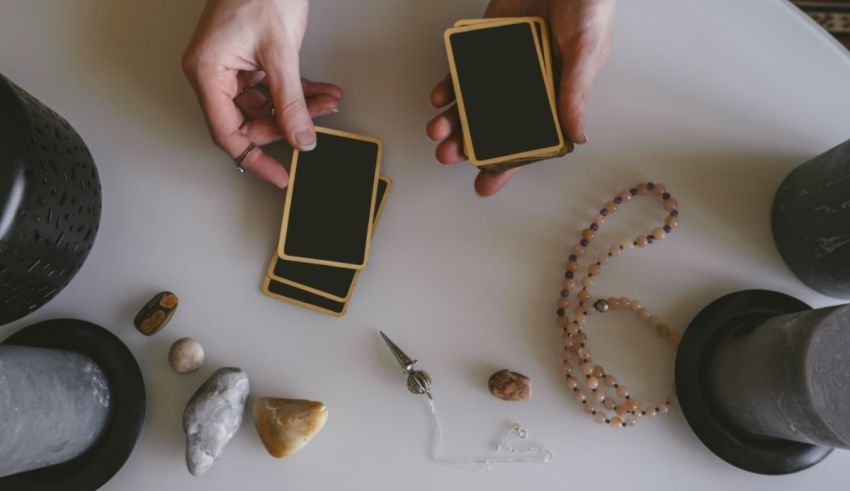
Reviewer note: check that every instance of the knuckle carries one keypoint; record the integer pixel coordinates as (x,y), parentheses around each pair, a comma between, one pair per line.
(293,108)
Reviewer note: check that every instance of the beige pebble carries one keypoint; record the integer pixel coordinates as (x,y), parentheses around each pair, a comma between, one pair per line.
(186,355)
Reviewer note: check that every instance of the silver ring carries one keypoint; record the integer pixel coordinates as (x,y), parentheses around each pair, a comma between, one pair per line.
(242,156)
(273,113)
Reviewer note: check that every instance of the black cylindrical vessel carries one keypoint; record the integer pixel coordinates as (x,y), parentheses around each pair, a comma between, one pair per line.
(811,221)
(762,380)
(50,202)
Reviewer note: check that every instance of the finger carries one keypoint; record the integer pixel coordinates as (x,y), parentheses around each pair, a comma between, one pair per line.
(291,112)
(263,129)
(487,184)
(450,151)
(260,164)
(312,89)
(224,121)
(443,93)
(443,126)
(254,103)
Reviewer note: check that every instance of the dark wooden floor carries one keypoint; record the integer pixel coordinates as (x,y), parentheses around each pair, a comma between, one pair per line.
(832,15)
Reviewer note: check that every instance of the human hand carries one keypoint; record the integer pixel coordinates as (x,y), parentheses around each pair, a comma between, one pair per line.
(240,44)
(580,33)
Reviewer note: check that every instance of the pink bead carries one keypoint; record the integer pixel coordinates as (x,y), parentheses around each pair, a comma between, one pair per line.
(572,266)
(579,396)
(584,296)
(609,404)
(599,417)
(599,219)
(594,269)
(614,250)
(660,189)
(591,383)
(611,206)
(644,314)
(640,241)
(586,368)
(599,397)
(625,195)
(572,382)
(659,233)
(586,282)
(578,250)
(610,381)
(584,353)
(649,410)
(563,303)
(622,392)
(616,422)
(568,284)
(598,371)
(588,408)
(671,204)
(641,188)
(663,408)
(566,368)
(588,234)
(573,328)
(625,303)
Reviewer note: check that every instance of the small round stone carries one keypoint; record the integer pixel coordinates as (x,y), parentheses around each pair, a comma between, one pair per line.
(186,355)
(599,417)
(616,422)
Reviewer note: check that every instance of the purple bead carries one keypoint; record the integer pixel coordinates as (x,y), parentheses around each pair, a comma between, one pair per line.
(569,275)
(674,213)
(665,196)
(633,191)
(560,312)
(650,186)
(573,258)
(603,212)
(667,229)
(594,227)
(618,200)
(584,242)
(565,293)
(650,239)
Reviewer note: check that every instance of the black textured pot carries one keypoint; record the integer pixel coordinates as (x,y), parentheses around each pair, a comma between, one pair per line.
(50,202)
(811,221)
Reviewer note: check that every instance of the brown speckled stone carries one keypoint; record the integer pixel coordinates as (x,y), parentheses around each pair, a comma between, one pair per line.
(510,386)
(156,313)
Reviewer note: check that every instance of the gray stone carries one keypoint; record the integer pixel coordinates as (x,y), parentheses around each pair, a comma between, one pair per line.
(213,416)
(54,405)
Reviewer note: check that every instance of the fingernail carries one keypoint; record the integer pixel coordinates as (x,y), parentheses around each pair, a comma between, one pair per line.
(584,135)
(306,140)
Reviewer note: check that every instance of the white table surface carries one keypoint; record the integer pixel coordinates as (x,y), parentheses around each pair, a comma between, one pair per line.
(719,100)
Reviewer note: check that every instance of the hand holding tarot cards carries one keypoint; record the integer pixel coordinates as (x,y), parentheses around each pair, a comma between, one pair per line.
(333,204)
(501,71)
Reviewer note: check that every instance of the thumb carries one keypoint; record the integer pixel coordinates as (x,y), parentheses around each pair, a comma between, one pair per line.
(573,90)
(293,118)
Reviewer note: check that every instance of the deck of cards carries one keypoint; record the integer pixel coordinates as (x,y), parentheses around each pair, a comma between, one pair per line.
(501,70)
(333,204)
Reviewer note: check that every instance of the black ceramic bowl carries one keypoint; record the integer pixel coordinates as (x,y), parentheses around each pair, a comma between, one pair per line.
(50,202)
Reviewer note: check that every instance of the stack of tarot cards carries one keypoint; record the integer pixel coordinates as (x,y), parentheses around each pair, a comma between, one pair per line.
(501,70)
(333,204)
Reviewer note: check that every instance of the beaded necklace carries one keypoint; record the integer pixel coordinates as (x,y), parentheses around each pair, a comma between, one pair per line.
(600,394)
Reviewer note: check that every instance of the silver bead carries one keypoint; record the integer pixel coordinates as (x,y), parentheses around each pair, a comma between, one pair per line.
(601,305)
(419,382)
